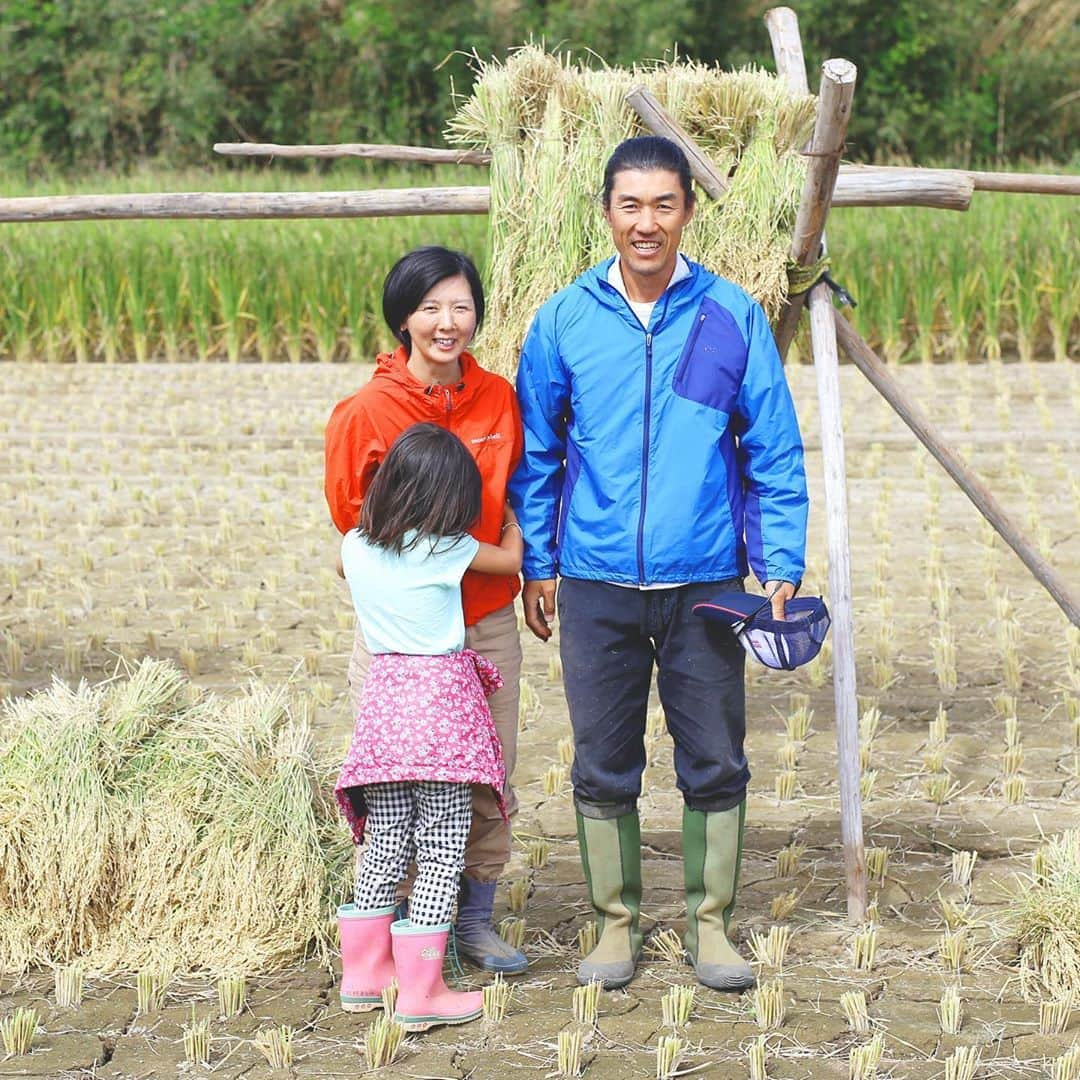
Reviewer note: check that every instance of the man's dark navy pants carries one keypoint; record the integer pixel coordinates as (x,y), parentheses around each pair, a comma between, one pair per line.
(610,638)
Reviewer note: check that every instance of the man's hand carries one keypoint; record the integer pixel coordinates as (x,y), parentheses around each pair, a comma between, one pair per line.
(538,600)
(781,592)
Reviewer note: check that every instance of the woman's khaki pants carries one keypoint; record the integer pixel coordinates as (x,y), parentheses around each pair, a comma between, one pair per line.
(496,637)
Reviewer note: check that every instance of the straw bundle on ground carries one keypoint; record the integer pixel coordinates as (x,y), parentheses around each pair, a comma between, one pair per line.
(1048,916)
(142,823)
(550,126)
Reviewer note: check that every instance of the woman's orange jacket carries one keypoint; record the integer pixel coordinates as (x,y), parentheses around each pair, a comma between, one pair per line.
(480,409)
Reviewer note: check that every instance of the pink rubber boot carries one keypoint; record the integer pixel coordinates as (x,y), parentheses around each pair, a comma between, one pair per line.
(367,964)
(424,1000)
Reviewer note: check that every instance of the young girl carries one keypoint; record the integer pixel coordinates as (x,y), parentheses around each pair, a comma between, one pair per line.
(423,731)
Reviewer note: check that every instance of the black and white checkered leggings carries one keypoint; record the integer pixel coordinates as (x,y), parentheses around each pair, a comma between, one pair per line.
(423,819)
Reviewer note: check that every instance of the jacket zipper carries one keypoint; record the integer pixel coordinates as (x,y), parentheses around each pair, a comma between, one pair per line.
(645,460)
(449,406)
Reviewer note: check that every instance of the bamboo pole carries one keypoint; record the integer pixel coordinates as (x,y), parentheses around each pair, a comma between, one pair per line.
(391,202)
(381,152)
(874,368)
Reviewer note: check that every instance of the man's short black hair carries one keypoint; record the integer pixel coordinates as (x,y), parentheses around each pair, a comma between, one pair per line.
(414,275)
(643,154)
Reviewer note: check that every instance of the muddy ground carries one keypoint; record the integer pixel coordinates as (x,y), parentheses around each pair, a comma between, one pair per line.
(177,512)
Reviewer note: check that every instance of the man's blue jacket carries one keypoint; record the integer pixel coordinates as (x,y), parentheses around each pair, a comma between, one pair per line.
(658,455)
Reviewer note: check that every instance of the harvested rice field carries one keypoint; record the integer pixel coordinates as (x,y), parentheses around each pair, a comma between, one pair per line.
(175,511)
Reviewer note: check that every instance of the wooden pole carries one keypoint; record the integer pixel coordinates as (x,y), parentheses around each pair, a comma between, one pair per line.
(856,185)
(867,185)
(871,365)
(660,122)
(391,202)
(834,107)
(377,151)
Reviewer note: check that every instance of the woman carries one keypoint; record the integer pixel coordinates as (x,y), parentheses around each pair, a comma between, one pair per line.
(433,303)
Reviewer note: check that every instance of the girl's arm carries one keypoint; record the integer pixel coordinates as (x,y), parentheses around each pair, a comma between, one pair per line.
(505,557)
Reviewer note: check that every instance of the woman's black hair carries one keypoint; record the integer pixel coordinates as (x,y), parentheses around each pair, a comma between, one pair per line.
(643,154)
(428,482)
(414,275)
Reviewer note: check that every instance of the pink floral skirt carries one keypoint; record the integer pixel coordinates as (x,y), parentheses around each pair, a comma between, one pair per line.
(422,718)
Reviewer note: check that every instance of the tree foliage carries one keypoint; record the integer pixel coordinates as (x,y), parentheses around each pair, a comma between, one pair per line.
(104,83)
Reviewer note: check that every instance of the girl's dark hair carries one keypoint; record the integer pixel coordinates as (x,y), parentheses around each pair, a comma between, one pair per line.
(429,482)
(414,275)
(643,154)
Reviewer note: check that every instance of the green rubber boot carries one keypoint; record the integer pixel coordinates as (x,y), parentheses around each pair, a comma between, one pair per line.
(611,856)
(712,851)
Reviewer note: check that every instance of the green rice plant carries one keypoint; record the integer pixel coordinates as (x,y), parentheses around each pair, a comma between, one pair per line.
(1062,298)
(230,301)
(587,938)
(382,1043)
(853,1005)
(962,1063)
(669,1054)
(1014,789)
(1027,314)
(770,949)
(231,995)
(962,866)
(389,996)
(757,1059)
(925,298)
(107,291)
(17,1031)
(864,1060)
(276,1044)
(1047,915)
(784,904)
(1054,1015)
(952,950)
(769,1005)
(554,779)
(137,302)
(666,945)
(1067,1066)
(786,783)
(198,297)
(950,1011)
(197,1040)
(994,282)
(512,931)
(517,894)
(586,1000)
(676,1005)
(68,985)
(864,948)
(150,987)
(954,914)
(877,863)
(497,996)
(537,857)
(568,1050)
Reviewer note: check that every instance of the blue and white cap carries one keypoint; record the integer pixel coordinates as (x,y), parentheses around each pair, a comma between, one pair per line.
(783,644)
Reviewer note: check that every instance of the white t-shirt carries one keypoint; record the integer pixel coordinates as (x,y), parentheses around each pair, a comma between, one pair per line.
(409,603)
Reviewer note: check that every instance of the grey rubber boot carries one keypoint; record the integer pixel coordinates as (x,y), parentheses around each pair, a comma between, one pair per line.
(476,940)
(712,852)
(611,856)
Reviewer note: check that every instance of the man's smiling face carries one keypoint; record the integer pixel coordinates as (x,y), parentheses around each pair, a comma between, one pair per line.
(647,212)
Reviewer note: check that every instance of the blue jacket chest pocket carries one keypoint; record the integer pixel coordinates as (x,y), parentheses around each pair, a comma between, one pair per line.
(713,362)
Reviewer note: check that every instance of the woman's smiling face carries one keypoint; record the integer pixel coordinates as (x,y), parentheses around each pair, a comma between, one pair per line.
(441,328)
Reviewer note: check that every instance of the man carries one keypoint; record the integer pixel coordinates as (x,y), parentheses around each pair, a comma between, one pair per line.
(662,459)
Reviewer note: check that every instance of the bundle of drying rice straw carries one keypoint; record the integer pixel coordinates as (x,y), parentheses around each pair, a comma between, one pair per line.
(551,125)
(1047,912)
(142,823)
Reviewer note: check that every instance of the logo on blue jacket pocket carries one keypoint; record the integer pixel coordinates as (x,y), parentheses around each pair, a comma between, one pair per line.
(713,362)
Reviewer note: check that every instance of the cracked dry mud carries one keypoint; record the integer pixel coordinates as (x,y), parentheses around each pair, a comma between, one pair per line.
(148,436)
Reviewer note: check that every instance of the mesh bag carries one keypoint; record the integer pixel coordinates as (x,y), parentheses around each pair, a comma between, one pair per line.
(781,644)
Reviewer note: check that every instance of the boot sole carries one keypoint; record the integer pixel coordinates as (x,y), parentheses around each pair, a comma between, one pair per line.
(423,1023)
(361,1006)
